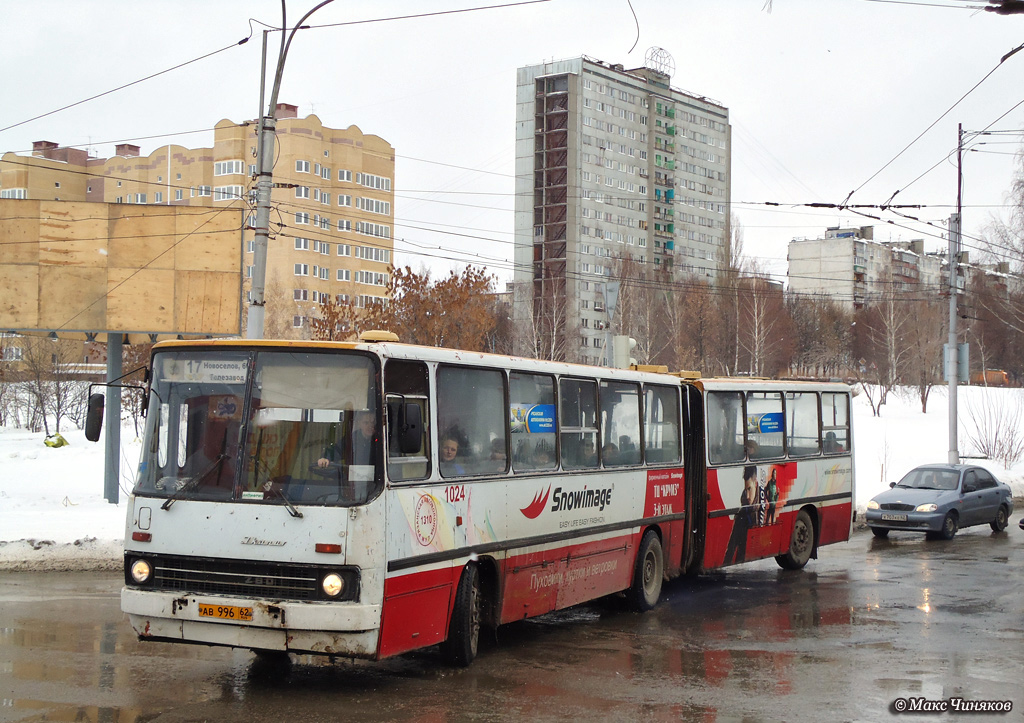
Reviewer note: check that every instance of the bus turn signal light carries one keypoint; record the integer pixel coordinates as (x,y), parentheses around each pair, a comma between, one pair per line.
(328,547)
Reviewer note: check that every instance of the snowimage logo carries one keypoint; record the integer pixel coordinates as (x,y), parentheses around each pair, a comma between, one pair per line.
(583,499)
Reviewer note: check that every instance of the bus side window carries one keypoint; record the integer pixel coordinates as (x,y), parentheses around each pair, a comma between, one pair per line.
(765,427)
(620,424)
(406,383)
(802,424)
(578,423)
(725,427)
(471,418)
(532,421)
(661,424)
(835,422)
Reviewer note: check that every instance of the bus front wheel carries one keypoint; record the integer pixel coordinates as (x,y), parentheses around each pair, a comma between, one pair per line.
(800,545)
(464,628)
(643,594)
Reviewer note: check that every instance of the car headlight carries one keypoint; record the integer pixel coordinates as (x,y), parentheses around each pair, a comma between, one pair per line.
(142,571)
(872,505)
(930,507)
(332,584)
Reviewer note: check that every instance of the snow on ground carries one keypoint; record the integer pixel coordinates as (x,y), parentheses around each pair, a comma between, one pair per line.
(53,515)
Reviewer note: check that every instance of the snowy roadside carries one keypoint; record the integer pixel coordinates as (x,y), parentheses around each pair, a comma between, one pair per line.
(85,555)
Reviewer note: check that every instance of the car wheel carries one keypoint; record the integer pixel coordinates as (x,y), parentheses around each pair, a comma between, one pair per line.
(648,574)
(880,532)
(464,630)
(1002,517)
(801,544)
(949,526)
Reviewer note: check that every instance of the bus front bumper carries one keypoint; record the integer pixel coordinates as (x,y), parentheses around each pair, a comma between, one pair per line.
(346,629)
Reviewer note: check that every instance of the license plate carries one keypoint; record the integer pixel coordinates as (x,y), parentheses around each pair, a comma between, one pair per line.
(225,612)
(894,518)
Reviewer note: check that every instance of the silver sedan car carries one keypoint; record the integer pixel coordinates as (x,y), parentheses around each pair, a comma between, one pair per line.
(939,499)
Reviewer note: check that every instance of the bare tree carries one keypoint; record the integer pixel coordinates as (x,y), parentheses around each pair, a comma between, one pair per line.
(923,338)
(49,367)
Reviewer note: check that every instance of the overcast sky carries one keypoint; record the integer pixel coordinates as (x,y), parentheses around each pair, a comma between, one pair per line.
(822,94)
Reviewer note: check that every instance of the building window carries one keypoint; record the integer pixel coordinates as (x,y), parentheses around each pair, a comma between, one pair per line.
(302,192)
(371,181)
(344,275)
(205,191)
(301,217)
(227,193)
(302,269)
(344,249)
(301,244)
(373,206)
(21,193)
(302,166)
(158,197)
(300,294)
(344,200)
(298,321)
(227,168)
(344,175)
(177,194)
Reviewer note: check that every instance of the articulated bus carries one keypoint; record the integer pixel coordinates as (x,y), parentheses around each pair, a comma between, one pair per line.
(370,498)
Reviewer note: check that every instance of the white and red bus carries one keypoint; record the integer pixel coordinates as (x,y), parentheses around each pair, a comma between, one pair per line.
(367,499)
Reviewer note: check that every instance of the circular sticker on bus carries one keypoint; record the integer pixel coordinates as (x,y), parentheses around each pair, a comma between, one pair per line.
(425,522)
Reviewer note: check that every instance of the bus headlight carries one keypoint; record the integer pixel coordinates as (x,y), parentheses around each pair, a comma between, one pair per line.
(141,571)
(332,584)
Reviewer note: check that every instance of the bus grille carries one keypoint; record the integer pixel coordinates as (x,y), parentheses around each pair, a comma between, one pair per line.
(239,578)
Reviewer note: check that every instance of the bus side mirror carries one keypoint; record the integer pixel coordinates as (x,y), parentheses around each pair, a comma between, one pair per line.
(94,418)
(410,428)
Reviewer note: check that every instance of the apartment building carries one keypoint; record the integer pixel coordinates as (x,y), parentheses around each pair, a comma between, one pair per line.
(848,265)
(614,167)
(333,202)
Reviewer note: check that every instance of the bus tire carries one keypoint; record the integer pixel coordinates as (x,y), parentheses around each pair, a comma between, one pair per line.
(643,594)
(800,544)
(463,641)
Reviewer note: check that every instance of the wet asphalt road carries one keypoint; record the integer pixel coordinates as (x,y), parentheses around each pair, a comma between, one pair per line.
(867,623)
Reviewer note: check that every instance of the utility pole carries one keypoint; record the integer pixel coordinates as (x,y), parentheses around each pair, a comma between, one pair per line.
(952,348)
(264,170)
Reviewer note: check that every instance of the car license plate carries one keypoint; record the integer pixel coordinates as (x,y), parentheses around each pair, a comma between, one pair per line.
(225,612)
(894,518)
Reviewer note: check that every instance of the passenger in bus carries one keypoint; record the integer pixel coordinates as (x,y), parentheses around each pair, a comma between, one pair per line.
(362,443)
(448,452)
(543,456)
(589,453)
(832,445)
(498,451)
(736,549)
(610,454)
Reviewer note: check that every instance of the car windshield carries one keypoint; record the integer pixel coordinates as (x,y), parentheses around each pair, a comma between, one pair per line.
(930,478)
(307,433)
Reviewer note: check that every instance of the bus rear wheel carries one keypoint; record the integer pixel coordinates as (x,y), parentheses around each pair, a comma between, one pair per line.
(464,628)
(643,594)
(800,545)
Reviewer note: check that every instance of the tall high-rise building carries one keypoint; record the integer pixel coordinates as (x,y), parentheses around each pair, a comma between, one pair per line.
(616,171)
(333,202)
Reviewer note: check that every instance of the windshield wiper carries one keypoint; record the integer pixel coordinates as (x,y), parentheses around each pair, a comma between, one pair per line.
(292,510)
(193,483)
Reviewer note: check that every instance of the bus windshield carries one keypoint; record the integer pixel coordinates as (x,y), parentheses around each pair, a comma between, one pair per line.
(300,428)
